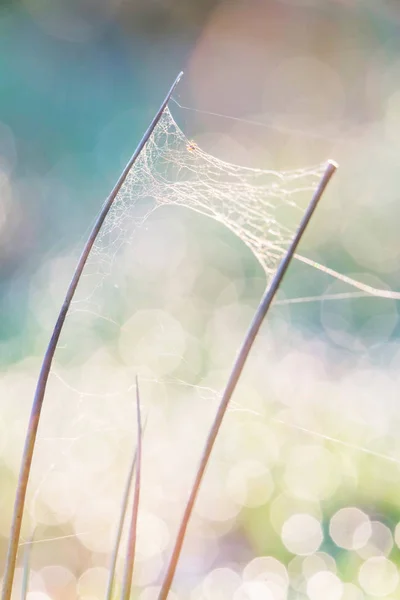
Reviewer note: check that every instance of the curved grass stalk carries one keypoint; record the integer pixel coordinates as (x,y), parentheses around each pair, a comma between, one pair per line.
(34,419)
(121,522)
(237,369)
(130,553)
(27,567)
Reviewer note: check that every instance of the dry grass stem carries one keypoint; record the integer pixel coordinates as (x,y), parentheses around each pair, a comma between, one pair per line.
(34,419)
(237,369)
(130,553)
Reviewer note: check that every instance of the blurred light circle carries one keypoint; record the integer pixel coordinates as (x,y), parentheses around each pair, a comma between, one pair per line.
(93,582)
(312,89)
(372,243)
(249,483)
(266,568)
(312,472)
(225,331)
(378,576)
(92,453)
(215,504)
(387,79)
(284,506)
(362,402)
(159,247)
(251,440)
(220,583)
(302,534)
(37,596)
(304,367)
(320,561)
(359,323)
(352,592)
(154,339)
(152,535)
(326,585)
(92,527)
(380,541)
(254,590)
(271,573)
(147,570)
(350,528)
(297,579)
(58,579)
(57,492)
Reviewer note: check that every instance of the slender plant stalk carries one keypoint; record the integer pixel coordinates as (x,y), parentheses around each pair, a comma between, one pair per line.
(237,369)
(27,567)
(33,424)
(130,553)
(121,522)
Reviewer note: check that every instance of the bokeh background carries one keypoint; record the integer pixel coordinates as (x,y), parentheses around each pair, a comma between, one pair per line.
(301,500)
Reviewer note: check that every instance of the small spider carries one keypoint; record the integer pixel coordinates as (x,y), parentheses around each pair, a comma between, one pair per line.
(192,146)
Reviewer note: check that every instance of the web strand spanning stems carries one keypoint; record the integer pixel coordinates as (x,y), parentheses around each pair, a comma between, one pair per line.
(130,554)
(34,419)
(251,203)
(239,364)
(269,124)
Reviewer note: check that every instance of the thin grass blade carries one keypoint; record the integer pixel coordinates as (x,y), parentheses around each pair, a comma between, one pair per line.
(130,553)
(121,523)
(237,369)
(27,567)
(34,419)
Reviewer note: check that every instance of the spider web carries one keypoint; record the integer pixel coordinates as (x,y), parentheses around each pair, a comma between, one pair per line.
(88,424)
(261,207)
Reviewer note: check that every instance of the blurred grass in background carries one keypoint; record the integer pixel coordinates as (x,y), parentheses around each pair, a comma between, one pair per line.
(79,83)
